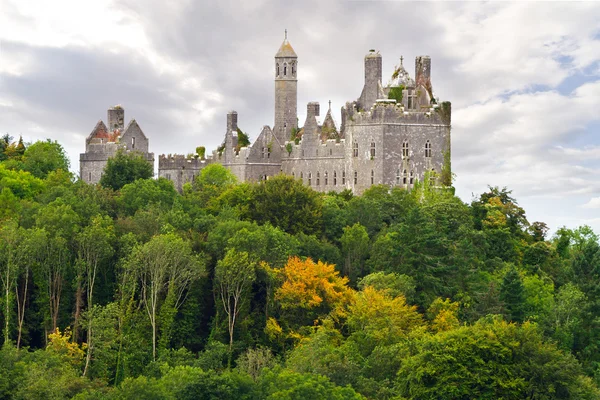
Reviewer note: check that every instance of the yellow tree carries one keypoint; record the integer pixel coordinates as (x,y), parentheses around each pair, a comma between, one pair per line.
(310,289)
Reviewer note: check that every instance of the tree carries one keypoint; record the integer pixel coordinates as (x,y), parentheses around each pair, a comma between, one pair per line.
(43,157)
(234,275)
(491,359)
(288,204)
(165,267)
(512,293)
(125,168)
(8,271)
(144,192)
(94,248)
(395,284)
(355,247)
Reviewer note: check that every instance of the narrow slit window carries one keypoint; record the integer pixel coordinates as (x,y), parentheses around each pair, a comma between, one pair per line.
(355,177)
(372,149)
(309,179)
(133,142)
(334,178)
(277,69)
(326,178)
(318,178)
(372,177)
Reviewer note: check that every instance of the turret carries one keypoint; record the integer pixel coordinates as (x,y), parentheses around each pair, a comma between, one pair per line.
(372,89)
(286,91)
(116,118)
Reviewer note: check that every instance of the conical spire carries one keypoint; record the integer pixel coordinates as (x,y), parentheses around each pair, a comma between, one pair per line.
(286,49)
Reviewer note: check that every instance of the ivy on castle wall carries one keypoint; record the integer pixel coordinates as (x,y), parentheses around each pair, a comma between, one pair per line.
(396,93)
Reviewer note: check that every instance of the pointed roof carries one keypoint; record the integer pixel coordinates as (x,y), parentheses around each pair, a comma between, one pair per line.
(286,49)
(133,125)
(400,77)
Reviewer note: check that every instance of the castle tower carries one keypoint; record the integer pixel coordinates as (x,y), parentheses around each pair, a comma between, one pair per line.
(372,89)
(116,118)
(286,91)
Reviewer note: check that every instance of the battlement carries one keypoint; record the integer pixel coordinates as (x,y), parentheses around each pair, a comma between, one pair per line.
(179,161)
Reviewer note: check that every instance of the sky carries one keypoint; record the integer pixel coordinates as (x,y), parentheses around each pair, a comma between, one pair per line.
(523,79)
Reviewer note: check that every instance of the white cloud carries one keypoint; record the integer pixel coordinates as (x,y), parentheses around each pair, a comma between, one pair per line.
(594,202)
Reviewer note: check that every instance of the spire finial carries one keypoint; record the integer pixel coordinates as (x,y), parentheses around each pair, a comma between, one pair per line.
(286,34)
(329,105)
(401,59)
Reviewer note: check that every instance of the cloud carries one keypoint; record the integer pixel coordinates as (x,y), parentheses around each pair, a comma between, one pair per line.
(594,202)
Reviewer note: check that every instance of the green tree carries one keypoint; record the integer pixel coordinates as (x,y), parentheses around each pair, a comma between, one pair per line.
(94,248)
(43,157)
(512,293)
(492,359)
(287,204)
(395,284)
(234,275)
(125,168)
(165,267)
(355,247)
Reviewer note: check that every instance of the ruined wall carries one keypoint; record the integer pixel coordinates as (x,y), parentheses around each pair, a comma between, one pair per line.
(180,169)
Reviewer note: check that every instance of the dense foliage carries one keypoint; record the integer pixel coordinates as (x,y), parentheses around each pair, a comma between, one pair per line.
(230,290)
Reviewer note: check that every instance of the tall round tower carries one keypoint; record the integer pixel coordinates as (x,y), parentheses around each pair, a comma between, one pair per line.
(286,91)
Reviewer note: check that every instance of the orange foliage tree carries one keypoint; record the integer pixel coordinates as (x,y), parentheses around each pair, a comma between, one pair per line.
(310,290)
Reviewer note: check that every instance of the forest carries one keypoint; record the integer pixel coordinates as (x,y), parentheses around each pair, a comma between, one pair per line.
(271,290)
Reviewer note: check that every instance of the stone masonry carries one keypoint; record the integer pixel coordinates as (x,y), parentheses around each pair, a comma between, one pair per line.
(104,142)
(393,135)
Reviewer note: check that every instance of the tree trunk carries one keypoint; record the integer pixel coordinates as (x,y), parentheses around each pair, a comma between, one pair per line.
(21,308)
(78,305)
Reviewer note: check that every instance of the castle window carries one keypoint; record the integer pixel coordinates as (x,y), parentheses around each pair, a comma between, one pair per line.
(90,176)
(398,176)
(343,177)
(293,69)
(334,178)
(372,149)
(355,149)
(412,177)
(302,176)
(268,152)
(317,152)
(428,149)
(405,149)
(302,152)
(133,142)
(318,178)
(372,177)
(285,69)
(325,176)
(355,177)
(309,179)
(277,69)
(432,177)
(404,177)
(263,152)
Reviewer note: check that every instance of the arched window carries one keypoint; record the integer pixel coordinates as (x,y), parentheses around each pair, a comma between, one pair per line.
(428,149)
(412,177)
(343,177)
(309,179)
(405,149)
(293,69)
(404,177)
(432,177)
(355,149)
(325,176)
(372,149)
(398,176)
(372,177)
(355,177)
(284,69)
(318,178)
(277,69)
(334,178)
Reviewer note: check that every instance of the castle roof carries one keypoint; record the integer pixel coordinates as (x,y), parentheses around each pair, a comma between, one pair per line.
(286,50)
(400,77)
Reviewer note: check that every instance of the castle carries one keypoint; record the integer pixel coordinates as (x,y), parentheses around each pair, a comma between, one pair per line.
(104,142)
(392,135)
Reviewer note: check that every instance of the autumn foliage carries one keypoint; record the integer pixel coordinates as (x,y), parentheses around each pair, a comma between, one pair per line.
(309,285)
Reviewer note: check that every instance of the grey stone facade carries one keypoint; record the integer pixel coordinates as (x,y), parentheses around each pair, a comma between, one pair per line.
(383,139)
(104,142)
